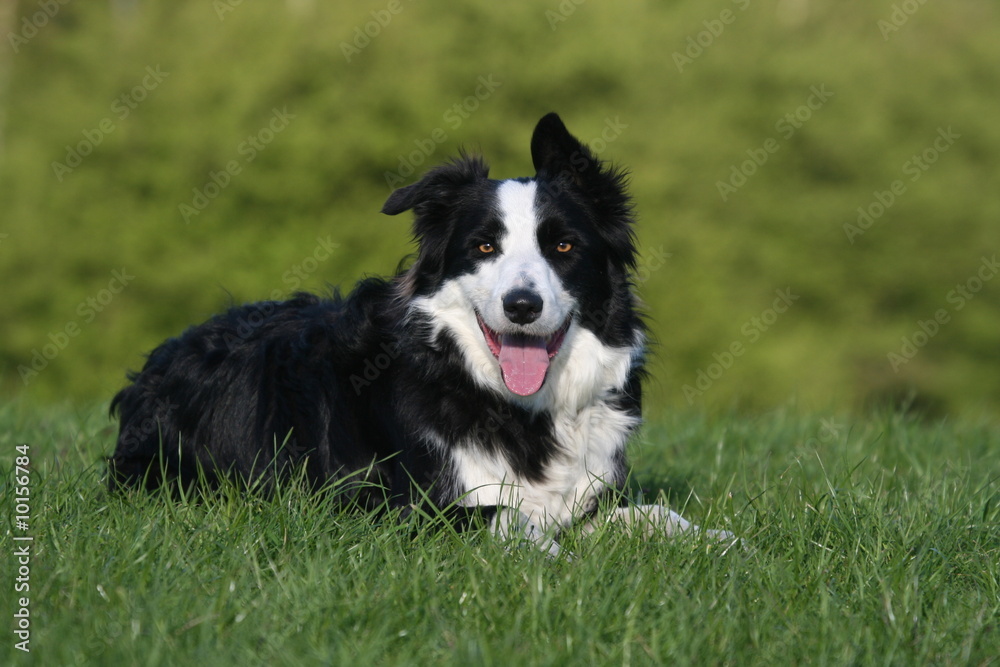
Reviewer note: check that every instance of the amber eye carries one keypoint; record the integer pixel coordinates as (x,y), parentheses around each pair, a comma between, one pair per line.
(486,248)
(564,247)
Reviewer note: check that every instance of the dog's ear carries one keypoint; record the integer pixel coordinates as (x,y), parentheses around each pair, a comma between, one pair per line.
(556,153)
(403,199)
(434,199)
(566,167)
(439,184)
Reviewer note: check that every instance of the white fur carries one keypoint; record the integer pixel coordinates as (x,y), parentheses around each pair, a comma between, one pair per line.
(656,520)
(584,370)
(585,466)
(510,524)
(576,393)
(519,264)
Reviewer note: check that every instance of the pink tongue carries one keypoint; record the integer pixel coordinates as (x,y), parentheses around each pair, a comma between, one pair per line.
(523,361)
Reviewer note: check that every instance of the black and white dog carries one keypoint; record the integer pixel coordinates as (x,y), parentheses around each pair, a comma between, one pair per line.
(498,376)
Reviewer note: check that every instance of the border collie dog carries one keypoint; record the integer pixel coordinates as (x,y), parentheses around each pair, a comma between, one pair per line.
(497,377)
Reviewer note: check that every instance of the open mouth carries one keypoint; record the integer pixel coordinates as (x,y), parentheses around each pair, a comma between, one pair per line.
(524,360)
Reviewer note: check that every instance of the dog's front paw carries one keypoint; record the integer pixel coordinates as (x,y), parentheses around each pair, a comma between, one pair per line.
(659,520)
(513,525)
(720,535)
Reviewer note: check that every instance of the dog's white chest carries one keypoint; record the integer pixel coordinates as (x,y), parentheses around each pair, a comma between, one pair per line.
(590,445)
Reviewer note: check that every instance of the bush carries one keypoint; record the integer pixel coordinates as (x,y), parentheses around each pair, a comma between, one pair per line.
(839,152)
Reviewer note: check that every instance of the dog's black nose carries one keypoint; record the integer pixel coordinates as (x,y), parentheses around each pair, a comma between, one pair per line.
(522,306)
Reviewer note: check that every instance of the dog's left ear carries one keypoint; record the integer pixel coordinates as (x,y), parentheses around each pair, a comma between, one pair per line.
(567,166)
(439,184)
(555,153)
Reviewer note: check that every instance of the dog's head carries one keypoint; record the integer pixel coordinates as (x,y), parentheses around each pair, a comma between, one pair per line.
(510,268)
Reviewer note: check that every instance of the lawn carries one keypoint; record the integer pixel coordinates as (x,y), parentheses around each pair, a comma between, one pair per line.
(869,540)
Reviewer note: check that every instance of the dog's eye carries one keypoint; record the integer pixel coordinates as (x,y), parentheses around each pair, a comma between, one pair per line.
(564,246)
(486,248)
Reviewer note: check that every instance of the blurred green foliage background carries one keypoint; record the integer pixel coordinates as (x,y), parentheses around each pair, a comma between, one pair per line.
(160,159)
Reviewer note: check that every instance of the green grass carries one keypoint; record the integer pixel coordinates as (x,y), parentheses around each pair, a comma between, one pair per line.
(868,541)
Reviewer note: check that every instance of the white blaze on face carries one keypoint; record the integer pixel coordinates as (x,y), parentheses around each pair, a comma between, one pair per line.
(523,349)
(520,352)
(520,265)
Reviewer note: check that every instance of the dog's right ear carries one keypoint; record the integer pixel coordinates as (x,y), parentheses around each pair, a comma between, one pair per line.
(439,184)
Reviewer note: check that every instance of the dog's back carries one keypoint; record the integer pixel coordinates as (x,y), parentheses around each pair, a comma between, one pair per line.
(259,389)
